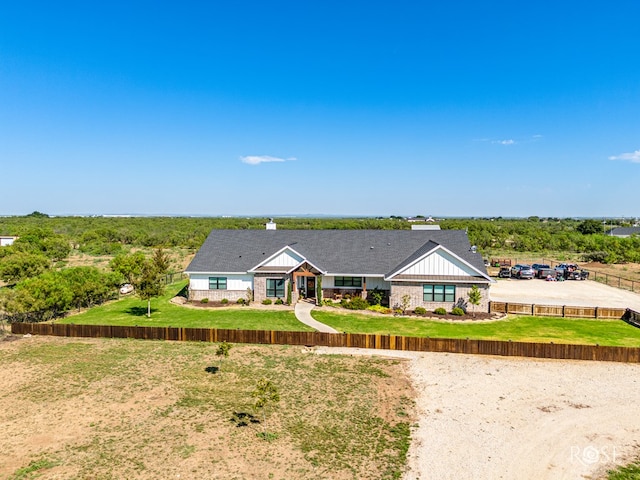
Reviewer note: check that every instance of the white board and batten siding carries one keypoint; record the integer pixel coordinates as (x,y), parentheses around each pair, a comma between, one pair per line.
(200,281)
(440,263)
(286,258)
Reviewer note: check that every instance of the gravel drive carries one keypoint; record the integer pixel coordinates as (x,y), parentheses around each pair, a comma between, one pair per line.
(583,293)
(486,418)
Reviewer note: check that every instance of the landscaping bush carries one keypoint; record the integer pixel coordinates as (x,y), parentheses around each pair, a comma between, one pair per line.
(420,311)
(224,301)
(204,300)
(241,301)
(266,301)
(380,309)
(279,302)
(440,311)
(457,311)
(356,303)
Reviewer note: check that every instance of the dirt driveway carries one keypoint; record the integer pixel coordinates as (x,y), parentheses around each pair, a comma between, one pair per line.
(486,418)
(585,293)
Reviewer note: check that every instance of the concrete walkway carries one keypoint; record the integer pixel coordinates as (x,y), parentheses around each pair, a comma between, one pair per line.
(303,314)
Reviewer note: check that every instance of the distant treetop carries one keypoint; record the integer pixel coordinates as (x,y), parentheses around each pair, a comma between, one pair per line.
(37,214)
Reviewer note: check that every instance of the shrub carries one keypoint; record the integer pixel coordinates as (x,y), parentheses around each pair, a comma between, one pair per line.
(356,303)
(328,303)
(379,309)
(224,301)
(457,311)
(204,300)
(279,301)
(240,301)
(440,311)
(266,301)
(420,311)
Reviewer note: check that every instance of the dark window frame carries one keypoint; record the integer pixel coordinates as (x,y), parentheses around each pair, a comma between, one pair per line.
(438,293)
(275,290)
(348,282)
(217,283)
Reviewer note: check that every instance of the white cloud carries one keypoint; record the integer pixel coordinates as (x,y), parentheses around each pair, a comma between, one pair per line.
(633,157)
(505,142)
(258,159)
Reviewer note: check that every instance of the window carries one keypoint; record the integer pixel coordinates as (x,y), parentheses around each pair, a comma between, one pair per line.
(439,293)
(348,282)
(217,283)
(275,287)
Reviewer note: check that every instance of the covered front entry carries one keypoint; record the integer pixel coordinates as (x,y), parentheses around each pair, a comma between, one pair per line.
(304,279)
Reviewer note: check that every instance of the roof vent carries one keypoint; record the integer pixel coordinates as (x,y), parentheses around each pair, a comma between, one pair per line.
(271,224)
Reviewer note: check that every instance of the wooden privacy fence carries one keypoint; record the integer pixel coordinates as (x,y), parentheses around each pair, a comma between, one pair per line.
(386,342)
(556,310)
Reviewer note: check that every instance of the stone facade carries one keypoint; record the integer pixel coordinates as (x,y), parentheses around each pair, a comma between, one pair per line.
(217,295)
(415,291)
(260,286)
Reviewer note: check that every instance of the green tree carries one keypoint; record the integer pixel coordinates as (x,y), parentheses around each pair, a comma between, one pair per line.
(222,352)
(22,265)
(406,302)
(265,393)
(475,297)
(589,227)
(149,284)
(129,266)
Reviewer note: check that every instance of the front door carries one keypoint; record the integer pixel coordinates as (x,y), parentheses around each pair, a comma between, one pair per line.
(311,287)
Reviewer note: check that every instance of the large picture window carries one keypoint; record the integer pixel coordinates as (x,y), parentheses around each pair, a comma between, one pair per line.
(348,282)
(217,283)
(275,287)
(439,293)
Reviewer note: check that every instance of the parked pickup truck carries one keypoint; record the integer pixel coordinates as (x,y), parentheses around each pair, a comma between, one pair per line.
(544,271)
(571,271)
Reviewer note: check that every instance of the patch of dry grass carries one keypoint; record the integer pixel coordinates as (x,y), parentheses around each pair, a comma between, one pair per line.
(85,408)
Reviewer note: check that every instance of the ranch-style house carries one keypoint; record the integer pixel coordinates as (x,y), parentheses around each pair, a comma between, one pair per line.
(436,268)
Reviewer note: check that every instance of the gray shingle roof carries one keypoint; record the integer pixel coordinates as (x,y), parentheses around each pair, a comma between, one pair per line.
(625,231)
(357,252)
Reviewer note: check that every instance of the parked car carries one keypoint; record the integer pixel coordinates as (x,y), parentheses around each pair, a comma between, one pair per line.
(126,289)
(522,271)
(543,271)
(505,272)
(571,271)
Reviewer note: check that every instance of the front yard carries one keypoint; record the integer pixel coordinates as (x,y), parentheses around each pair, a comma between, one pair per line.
(132,311)
(521,328)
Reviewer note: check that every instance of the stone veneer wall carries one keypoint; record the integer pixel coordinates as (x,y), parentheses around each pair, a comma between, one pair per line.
(260,286)
(415,291)
(217,295)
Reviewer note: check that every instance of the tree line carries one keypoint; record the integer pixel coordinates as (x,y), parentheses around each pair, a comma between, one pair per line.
(111,236)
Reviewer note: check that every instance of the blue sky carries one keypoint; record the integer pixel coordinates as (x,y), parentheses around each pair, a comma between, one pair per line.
(464,108)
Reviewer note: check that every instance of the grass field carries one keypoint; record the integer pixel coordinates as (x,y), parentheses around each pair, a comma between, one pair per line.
(523,329)
(97,408)
(132,311)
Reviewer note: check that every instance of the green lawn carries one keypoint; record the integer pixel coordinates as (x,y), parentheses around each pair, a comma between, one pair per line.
(523,329)
(132,311)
